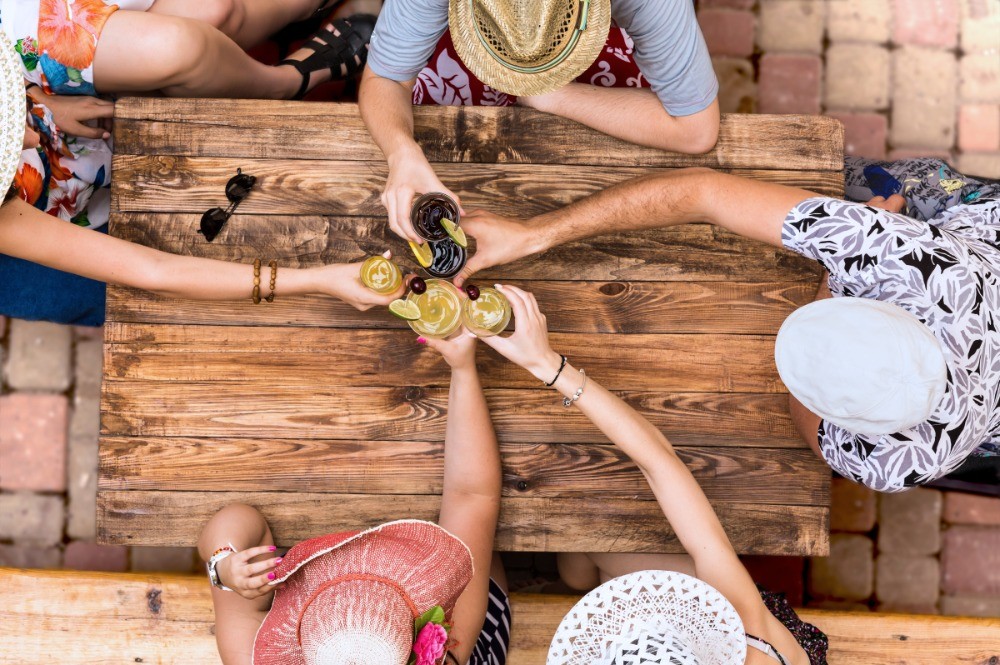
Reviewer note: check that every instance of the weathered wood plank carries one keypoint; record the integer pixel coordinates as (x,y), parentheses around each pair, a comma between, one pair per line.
(418,414)
(590,307)
(290,187)
(525,525)
(689,253)
(261,128)
(327,360)
(734,475)
(138,617)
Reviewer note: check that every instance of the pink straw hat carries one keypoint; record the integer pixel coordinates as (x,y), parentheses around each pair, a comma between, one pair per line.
(352,598)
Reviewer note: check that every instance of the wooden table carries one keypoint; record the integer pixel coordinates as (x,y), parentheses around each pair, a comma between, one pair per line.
(328,419)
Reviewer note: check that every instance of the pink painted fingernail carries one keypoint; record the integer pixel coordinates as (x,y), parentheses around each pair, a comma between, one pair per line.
(421,340)
(270,576)
(278,560)
(272,548)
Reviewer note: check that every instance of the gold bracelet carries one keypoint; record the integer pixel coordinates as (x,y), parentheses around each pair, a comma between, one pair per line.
(274,277)
(255,294)
(569,401)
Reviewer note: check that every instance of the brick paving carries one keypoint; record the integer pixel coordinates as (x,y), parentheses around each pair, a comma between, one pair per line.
(907,78)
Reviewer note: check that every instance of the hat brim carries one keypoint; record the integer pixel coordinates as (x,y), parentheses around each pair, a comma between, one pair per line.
(489,70)
(13,112)
(632,604)
(429,563)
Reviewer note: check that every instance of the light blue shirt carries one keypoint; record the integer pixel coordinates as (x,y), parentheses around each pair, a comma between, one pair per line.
(669,47)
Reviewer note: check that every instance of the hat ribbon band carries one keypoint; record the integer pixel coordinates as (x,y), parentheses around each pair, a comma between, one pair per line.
(580,27)
(354,578)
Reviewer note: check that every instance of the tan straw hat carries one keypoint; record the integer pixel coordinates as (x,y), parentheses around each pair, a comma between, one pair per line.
(353,598)
(13,113)
(528,47)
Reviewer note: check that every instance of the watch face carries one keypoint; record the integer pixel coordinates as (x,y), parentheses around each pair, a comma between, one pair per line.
(213,575)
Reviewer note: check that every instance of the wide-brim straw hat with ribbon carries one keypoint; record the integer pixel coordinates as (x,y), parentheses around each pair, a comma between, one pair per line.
(13,113)
(652,617)
(352,598)
(528,47)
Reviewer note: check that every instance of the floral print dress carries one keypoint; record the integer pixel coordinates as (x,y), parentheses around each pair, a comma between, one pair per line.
(66,176)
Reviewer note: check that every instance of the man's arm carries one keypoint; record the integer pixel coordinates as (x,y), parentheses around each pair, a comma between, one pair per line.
(633,115)
(747,207)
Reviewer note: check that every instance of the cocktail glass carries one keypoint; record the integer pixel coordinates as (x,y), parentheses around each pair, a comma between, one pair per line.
(381,275)
(428,211)
(488,314)
(440,308)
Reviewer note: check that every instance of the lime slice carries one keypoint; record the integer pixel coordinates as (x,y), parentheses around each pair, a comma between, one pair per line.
(455,233)
(405,309)
(423,254)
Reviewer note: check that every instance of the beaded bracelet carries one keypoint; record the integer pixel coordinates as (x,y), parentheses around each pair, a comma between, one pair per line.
(569,401)
(255,294)
(274,276)
(561,366)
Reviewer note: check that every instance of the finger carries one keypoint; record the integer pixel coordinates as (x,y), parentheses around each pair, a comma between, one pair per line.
(530,306)
(471,267)
(517,302)
(262,566)
(454,196)
(252,552)
(262,580)
(387,254)
(404,199)
(389,201)
(95,111)
(85,131)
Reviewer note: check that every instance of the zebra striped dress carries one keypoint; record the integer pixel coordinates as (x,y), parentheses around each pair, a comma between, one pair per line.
(491,647)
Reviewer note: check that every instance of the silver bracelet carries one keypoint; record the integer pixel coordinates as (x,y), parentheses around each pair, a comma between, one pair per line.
(568,401)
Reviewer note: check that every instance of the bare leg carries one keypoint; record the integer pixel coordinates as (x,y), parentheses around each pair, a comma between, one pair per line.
(246,22)
(142,51)
(236,618)
(585,571)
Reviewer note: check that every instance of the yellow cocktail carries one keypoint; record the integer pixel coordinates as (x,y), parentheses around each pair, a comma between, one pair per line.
(440,309)
(381,275)
(488,314)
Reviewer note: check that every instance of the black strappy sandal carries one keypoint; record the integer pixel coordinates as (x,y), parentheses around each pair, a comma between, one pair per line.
(344,54)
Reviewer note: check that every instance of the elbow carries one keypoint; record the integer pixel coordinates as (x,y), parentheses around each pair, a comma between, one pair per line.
(702,141)
(699,132)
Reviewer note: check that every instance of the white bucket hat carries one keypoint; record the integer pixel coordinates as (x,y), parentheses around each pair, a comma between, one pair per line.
(869,366)
(13,113)
(652,617)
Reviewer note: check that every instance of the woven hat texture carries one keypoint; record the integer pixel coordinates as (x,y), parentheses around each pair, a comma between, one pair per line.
(13,113)
(652,617)
(869,366)
(351,598)
(528,47)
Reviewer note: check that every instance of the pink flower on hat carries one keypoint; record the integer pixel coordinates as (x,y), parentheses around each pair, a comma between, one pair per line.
(430,644)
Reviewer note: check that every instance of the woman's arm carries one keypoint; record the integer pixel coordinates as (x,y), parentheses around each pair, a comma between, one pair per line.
(683,502)
(239,613)
(32,235)
(470,502)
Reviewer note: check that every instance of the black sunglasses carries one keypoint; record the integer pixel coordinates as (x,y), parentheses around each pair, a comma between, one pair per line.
(237,189)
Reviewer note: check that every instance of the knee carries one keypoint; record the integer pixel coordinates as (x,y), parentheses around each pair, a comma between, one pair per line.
(236,517)
(225,15)
(185,46)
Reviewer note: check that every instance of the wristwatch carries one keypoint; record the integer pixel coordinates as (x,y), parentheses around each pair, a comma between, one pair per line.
(213,574)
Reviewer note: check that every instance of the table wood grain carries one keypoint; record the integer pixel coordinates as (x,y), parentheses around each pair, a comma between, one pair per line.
(328,419)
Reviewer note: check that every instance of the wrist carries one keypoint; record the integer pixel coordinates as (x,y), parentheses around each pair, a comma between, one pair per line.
(406,151)
(545,368)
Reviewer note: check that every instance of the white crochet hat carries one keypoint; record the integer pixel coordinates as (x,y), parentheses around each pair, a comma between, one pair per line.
(12,112)
(652,617)
(869,366)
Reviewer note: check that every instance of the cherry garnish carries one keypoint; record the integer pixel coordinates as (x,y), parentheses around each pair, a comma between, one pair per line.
(418,285)
(472,291)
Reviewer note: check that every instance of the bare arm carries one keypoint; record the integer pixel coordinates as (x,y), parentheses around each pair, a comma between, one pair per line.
(28,233)
(386,107)
(747,207)
(681,498)
(470,502)
(239,613)
(635,115)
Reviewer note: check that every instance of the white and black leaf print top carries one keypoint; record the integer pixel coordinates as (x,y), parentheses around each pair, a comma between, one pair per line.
(946,271)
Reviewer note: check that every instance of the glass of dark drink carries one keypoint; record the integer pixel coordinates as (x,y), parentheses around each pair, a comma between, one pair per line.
(448,258)
(427,213)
